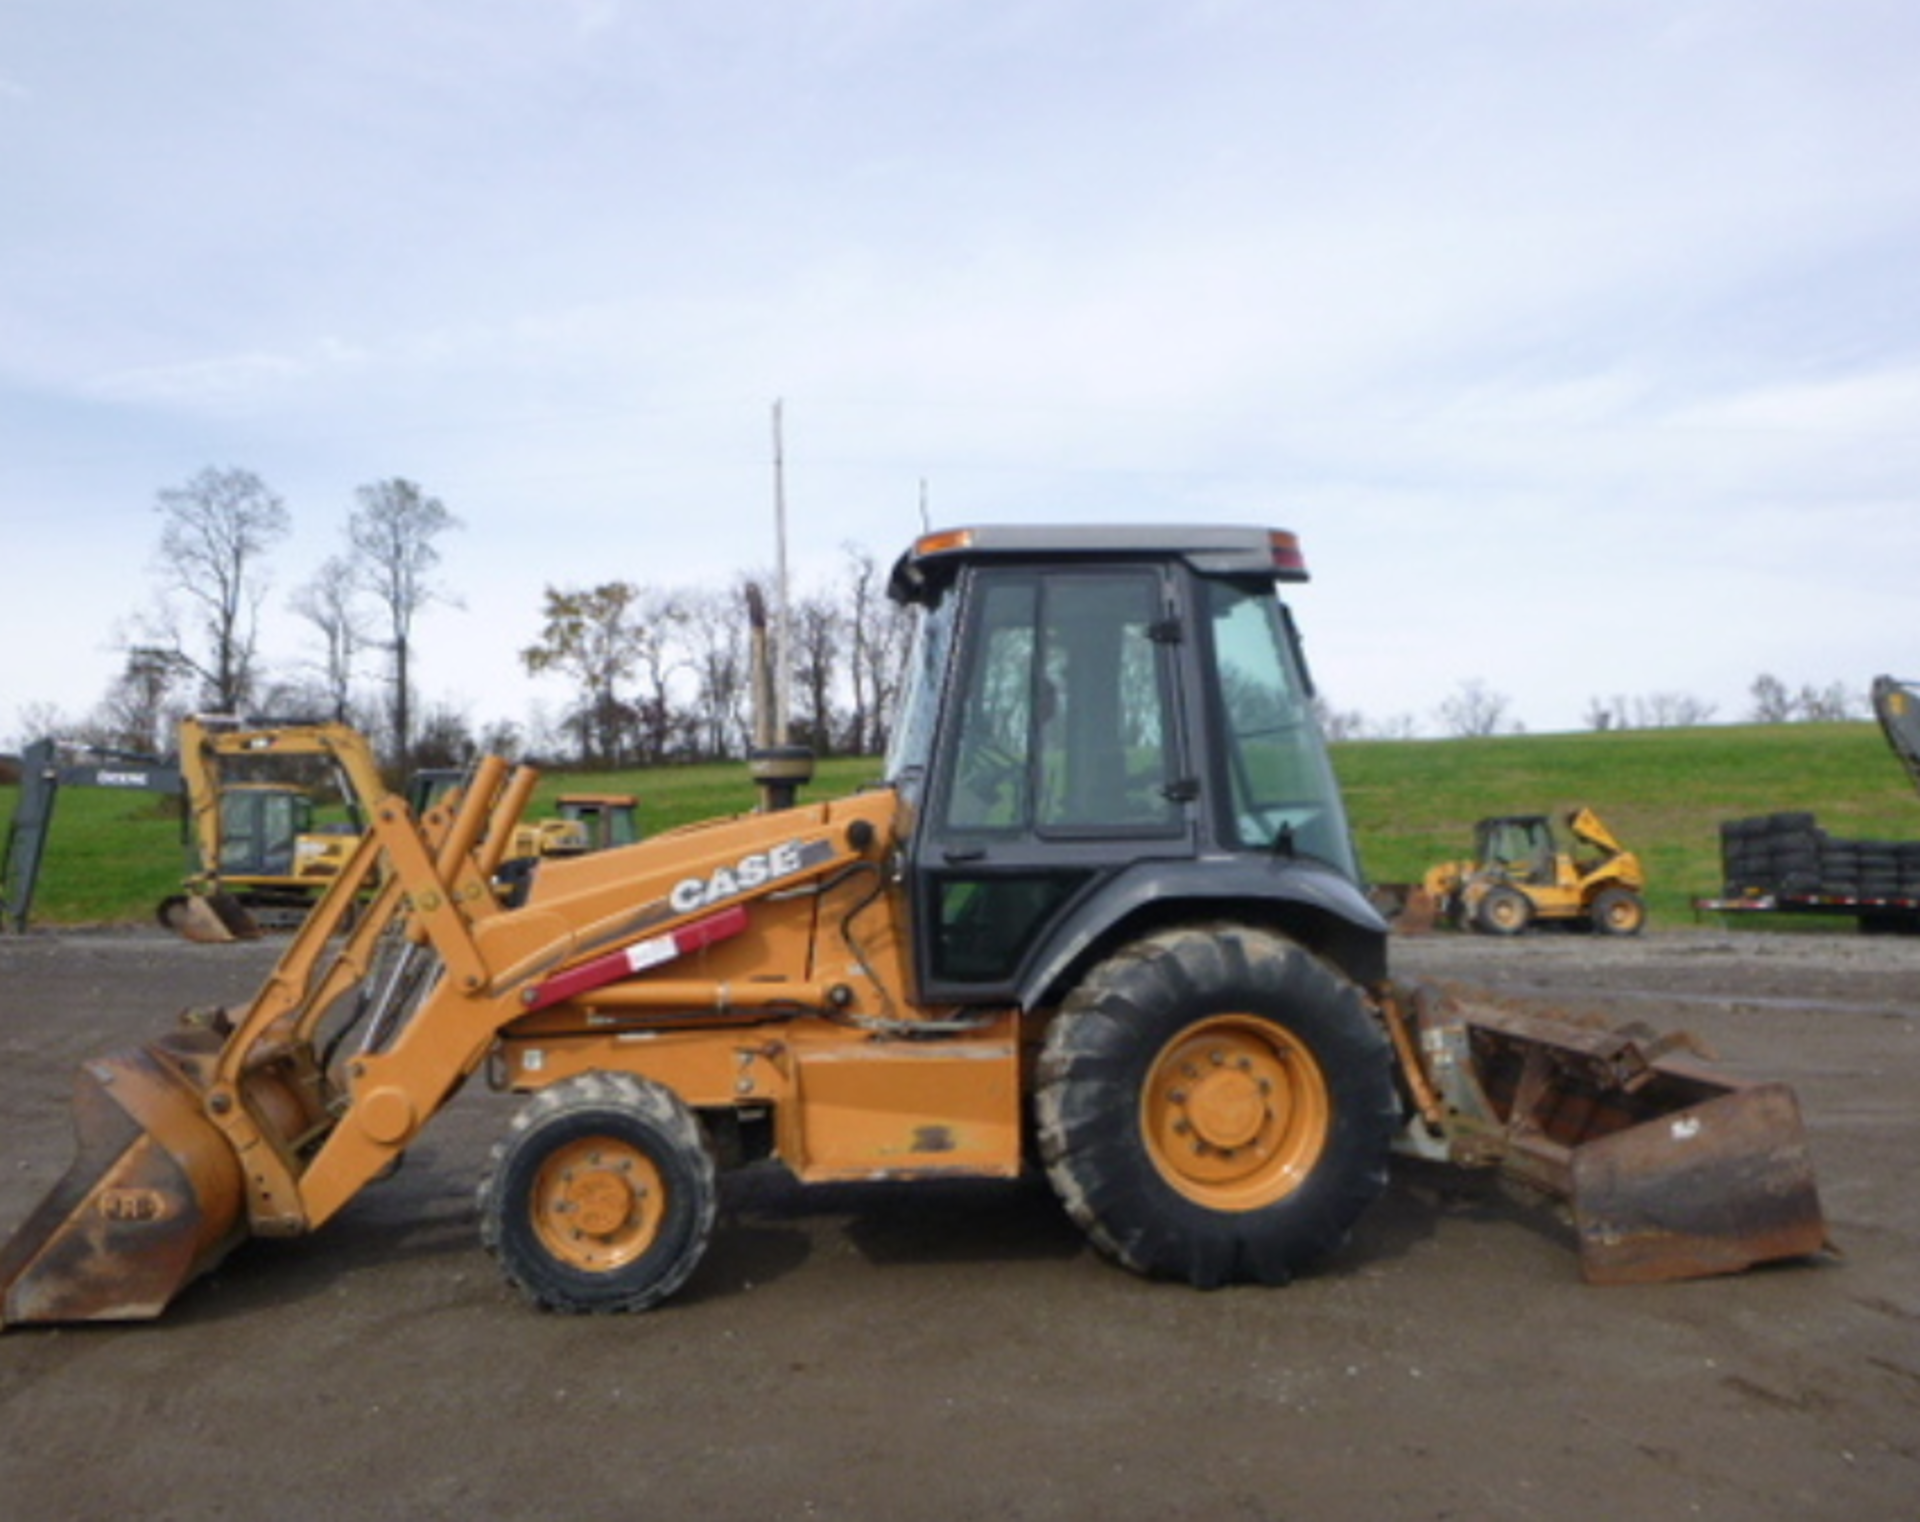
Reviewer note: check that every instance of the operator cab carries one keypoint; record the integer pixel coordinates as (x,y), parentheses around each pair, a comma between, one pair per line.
(260,824)
(1090,715)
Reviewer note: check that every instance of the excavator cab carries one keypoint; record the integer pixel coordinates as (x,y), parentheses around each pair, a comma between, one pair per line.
(1102,916)
(259,825)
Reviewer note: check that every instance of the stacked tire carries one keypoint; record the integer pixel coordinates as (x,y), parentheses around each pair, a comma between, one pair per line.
(1774,853)
(1788,854)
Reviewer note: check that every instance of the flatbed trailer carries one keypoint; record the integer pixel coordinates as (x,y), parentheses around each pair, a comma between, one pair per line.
(1898,915)
(1784,863)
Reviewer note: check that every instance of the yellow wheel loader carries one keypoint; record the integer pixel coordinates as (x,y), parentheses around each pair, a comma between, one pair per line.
(1102,916)
(1520,874)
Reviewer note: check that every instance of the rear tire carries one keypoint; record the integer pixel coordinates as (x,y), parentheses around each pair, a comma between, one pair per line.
(602,1196)
(1216,1105)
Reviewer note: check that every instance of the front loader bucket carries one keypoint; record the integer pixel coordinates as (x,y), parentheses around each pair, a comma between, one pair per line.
(1672,1170)
(154,1197)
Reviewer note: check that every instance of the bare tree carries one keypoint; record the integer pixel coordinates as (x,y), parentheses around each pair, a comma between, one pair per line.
(1772,703)
(216,533)
(1338,724)
(38,721)
(1606,713)
(1671,710)
(716,634)
(328,602)
(816,625)
(881,629)
(661,725)
(1829,704)
(593,635)
(395,532)
(138,711)
(1474,711)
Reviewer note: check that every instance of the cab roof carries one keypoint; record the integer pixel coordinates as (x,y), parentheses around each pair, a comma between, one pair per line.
(1211,549)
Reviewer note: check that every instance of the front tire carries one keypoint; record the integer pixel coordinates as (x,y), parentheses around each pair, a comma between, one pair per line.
(602,1196)
(1503,911)
(1617,911)
(1216,1105)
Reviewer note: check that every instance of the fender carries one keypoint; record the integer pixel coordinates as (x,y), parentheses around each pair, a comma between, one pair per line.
(1344,925)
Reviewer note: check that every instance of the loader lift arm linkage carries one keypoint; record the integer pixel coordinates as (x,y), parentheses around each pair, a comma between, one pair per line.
(1187,1007)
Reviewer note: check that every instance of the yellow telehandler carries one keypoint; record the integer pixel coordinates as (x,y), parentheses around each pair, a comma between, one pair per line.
(1520,874)
(1101,914)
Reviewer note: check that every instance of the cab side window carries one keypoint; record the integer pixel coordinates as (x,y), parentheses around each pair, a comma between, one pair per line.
(1064,718)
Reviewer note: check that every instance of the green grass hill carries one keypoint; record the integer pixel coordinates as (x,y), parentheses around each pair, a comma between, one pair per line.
(1663,793)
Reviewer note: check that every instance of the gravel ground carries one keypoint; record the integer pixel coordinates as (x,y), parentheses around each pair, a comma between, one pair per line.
(959,1352)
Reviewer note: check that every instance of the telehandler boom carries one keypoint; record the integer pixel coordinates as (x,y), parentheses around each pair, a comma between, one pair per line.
(1103,905)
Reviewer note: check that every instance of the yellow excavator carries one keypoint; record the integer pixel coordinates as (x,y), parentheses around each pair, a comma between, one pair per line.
(1520,874)
(261,858)
(1101,916)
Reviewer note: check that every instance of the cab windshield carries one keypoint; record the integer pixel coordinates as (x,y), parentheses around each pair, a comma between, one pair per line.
(910,749)
(1279,788)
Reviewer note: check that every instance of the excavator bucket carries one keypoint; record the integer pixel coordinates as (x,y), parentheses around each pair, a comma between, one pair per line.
(1672,1170)
(210,918)
(154,1197)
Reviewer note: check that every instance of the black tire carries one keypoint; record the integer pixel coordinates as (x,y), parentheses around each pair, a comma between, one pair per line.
(1617,911)
(602,1195)
(1216,1105)
(1503,911)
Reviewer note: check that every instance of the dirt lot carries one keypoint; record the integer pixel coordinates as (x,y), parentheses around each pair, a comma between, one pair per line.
(958,1352)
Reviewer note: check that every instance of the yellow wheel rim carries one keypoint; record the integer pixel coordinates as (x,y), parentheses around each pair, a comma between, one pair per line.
(1235,1113)
(1506,912)
(597,1204)
(1622,915)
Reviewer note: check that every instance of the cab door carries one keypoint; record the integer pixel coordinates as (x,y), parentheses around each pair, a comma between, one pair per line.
(1059,764)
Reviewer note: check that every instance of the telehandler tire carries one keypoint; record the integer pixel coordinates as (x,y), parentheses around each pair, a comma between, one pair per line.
(1617,911)
(602,1195)
(1215,1105)
(1503,911)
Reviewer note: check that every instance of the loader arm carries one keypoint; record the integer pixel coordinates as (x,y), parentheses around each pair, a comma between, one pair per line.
(364,1030)
(460,967)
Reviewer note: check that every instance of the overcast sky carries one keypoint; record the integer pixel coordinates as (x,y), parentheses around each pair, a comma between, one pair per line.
(1580,342)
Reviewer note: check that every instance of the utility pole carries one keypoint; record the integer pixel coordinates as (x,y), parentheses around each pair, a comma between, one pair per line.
(782,675)
(779,768)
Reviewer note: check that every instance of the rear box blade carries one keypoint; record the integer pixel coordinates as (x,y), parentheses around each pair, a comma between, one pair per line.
(1710,1189)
